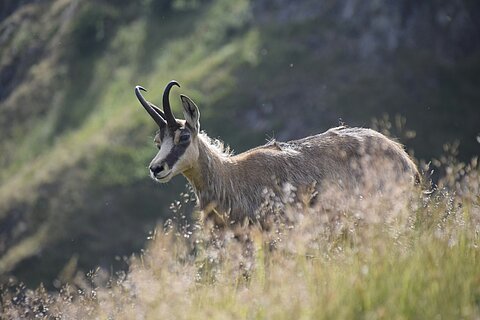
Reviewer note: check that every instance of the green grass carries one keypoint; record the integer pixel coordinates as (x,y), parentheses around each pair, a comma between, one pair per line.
(94,132)
(114,105)
(79,139)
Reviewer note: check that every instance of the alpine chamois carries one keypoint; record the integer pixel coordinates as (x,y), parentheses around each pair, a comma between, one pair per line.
(237,185)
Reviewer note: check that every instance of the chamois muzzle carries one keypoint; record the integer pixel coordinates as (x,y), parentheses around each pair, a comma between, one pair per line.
(157,169)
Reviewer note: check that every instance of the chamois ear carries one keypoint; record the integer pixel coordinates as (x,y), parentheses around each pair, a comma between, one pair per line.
(191,113)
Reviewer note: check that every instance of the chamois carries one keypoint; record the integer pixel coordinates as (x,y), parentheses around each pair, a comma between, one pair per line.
(236,186)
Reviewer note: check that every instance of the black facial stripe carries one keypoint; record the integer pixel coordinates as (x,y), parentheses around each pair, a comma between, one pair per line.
(176,152)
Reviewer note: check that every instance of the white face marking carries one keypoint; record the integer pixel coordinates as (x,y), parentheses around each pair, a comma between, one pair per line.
(165,148)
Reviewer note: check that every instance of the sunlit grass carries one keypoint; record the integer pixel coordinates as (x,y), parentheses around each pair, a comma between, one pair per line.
(398,255)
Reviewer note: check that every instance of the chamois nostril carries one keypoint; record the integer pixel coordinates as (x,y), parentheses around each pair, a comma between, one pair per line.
(156,169)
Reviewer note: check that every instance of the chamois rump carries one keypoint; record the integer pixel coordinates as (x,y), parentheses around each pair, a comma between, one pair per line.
(236,187)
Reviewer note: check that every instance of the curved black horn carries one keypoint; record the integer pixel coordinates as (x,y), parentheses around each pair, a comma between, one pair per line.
(148,106)
(166,104)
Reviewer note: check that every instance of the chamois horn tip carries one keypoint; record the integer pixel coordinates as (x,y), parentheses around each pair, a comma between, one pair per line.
(173,83)
(137,88)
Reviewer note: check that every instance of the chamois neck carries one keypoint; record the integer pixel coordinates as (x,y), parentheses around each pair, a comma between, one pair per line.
(209,172)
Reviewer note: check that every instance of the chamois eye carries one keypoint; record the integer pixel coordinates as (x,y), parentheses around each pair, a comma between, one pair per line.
(184,137)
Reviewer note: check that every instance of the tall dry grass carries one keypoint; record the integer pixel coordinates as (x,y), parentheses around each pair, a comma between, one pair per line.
(390,253)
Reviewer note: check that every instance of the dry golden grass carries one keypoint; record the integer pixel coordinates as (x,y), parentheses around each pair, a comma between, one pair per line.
(397,253)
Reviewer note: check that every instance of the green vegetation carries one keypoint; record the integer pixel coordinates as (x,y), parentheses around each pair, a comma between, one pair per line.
(98,142)
(75,144)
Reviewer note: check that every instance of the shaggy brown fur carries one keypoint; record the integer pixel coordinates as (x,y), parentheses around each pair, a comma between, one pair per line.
(242,185)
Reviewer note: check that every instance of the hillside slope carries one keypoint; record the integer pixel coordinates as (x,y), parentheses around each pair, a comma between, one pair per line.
(75,143)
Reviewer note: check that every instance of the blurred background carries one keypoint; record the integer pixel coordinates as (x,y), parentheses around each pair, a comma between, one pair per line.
(75,144)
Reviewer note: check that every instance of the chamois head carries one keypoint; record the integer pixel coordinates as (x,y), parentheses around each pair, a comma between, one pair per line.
(177,140)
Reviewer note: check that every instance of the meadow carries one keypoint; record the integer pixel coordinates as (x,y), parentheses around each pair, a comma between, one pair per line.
(398,254)
(77,206)
(75,143)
